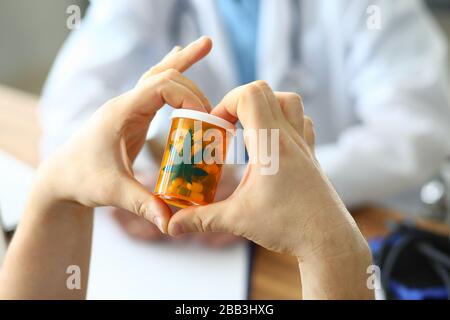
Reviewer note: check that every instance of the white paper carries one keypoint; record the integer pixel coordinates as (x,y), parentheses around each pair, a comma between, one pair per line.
(122,268)
(16,179)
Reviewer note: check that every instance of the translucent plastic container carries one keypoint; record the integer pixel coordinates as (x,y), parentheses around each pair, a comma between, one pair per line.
(192,163)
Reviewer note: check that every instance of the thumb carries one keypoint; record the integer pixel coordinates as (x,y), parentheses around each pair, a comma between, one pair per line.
(134,197)
(210,218)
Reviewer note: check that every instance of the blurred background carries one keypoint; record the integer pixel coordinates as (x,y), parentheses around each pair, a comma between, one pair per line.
(32,32)
(31,35)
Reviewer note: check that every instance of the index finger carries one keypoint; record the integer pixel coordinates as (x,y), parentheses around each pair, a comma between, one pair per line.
(180,60)
(248,104)
(183,59)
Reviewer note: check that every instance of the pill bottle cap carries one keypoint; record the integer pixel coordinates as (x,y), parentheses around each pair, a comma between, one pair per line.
(203,116)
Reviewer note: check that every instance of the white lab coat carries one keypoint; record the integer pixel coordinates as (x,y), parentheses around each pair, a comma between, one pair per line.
(379,98)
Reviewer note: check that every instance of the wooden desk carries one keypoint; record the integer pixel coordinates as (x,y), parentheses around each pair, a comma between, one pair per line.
(274,276)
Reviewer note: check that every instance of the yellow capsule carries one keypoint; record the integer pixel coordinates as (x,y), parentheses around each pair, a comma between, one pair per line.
(184,191)
(179,135)
(196,197)
(171,189)
(186,125)
(178,146)
(177,182)
(212,169)
(195,187)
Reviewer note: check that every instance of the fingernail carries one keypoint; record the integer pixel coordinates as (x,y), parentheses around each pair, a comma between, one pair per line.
(175,49)
(176,229)
(159,223)
(200,39)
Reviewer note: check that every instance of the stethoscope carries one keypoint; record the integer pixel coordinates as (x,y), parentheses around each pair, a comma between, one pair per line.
(184,8)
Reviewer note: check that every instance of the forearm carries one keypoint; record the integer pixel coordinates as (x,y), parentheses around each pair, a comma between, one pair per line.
(336,268)
(52,236)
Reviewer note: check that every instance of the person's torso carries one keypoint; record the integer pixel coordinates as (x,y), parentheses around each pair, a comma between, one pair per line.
(292,54)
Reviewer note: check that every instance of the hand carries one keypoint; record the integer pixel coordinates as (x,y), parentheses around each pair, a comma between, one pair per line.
(227,185)
(139,228)
(94,168)
(294,211)
(135,226)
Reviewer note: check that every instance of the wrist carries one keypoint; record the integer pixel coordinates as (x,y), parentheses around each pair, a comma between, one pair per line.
(48,191)
(331,232)
(334,265)
(347,245)
(340,276)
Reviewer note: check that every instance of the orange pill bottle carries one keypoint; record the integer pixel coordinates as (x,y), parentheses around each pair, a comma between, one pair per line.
(192,162)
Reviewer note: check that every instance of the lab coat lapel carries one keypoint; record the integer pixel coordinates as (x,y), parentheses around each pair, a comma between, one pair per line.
(273,54)
(221,58)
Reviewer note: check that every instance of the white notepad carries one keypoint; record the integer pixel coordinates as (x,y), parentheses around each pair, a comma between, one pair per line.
(122,268)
